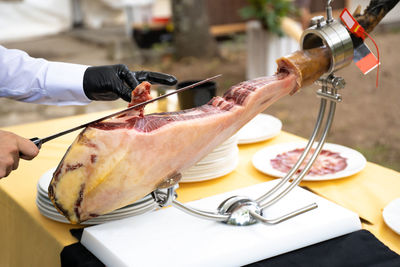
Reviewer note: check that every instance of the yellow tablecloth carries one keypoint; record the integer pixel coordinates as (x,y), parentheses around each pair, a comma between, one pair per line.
(29,239)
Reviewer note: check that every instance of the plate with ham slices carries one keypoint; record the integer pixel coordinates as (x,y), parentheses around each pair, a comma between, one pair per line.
(334,161)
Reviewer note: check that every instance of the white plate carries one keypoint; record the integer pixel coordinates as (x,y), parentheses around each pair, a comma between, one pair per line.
(60,218)
(144,202)
(44,181)
(355,160)
(47,209)
(51,213)
(262,127)
(218,155)
(215,165)
(391,215)
(231,166)
(232,141)
(130,209)
(44,199)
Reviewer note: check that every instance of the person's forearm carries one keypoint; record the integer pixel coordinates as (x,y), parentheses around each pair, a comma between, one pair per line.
(35,80)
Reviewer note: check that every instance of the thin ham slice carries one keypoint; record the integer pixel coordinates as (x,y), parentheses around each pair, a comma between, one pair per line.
(120,160)
(327,162)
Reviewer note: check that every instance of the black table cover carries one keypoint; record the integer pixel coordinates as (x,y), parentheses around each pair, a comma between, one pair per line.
(360,248)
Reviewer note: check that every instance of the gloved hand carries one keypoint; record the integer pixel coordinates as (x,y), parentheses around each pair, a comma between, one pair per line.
(117,81)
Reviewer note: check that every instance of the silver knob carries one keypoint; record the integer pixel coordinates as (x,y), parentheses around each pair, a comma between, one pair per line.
(317,20)
(338,83)
(239,208)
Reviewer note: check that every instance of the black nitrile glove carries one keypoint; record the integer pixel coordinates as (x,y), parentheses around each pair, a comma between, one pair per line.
(117,81)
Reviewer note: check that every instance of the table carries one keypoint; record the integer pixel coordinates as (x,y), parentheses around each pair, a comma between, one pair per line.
(29,239)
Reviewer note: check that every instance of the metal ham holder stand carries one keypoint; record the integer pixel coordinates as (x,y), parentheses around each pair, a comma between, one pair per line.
(240,210)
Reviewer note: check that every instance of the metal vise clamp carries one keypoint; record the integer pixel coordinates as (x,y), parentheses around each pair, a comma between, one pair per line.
(331,33)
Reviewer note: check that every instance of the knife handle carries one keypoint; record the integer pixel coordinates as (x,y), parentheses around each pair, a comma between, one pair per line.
(155,77)
(37,141)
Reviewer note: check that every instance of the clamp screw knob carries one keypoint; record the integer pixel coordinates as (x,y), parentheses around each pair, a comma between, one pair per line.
(317,20)
(338,83)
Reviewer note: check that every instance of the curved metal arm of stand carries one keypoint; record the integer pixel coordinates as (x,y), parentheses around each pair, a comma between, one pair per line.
(244,211)
(318,149)
(290,174)
(209,215)
(163,198)
(285,217)
(237,215)
(239,210)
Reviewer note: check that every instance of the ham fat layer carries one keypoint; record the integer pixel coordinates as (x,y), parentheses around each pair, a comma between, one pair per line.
(120,160)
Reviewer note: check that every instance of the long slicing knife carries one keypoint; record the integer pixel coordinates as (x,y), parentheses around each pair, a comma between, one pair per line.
(39,141)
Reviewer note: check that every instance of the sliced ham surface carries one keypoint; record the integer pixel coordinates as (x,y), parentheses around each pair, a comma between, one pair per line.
(327,162)
(120,160)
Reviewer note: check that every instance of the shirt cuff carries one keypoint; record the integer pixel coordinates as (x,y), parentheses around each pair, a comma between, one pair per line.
(64,83)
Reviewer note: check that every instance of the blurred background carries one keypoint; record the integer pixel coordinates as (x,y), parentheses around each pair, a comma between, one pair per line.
(195,39)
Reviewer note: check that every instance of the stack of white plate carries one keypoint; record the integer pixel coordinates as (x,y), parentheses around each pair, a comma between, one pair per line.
(47,208)
(221,161)
(262,127)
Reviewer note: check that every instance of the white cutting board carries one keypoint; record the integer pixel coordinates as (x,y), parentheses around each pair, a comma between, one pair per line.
(170,237)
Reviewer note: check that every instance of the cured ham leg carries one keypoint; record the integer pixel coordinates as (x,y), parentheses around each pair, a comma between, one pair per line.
(120,160)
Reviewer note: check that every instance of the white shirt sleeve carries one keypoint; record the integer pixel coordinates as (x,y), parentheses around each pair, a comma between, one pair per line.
(36,80)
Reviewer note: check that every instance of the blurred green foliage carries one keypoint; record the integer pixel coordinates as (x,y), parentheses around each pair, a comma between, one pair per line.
(381,154)
(269,13)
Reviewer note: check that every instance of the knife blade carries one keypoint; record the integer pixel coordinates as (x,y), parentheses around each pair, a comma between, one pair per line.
(39,141)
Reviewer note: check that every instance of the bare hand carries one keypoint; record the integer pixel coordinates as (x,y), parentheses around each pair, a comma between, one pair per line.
(12,148)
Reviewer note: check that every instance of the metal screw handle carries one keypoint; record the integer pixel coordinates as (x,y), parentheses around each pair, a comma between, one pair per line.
(329,17)
(317,20)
